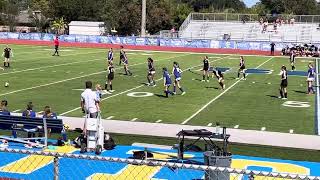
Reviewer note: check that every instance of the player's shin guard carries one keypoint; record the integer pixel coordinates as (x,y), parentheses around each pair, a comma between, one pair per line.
(8,64)
(293,67)
(174,89)
(204,77)
(4,64)
(166,92)
(244,75)
(106,86)
(281,93)
(110,87)
(238,74)
(148,78)
(286,95)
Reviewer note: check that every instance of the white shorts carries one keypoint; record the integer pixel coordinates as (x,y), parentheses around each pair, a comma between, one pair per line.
(310,79)
(152,72)
(178,79)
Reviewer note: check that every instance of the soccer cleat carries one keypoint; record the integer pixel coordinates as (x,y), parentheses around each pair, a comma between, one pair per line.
(154,85)
(111,91)
(207,80)
(279,97)
(183,93)
(284,98)
(174,93)
(244,79)
(202,80)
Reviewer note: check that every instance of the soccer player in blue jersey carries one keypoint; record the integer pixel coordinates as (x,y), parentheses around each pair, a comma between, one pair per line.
(110,56)
(126,65)
(151,72)
(310,79)
(176,71)
(166,82)
(242,68)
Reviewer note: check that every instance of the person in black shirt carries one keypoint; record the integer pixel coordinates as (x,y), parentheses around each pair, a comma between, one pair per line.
(218,74)
(293,59)
(122,55)
(284,83)
(7,54)
(206,67)
(110,77)
(272,45)
(151,72)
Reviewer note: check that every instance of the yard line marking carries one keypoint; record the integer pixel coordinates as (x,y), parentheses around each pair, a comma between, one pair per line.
(44,67)
(16,110)
(210,124)
(291,131)
(263,128)
(110,117)
(236,126)
(158,121)
(40,112)
(134,119)
(137,87)
(217,97)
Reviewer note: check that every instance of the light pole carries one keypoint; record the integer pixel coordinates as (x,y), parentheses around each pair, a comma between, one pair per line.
(143,18)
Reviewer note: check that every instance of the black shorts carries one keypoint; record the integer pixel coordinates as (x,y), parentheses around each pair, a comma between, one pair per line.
(242,67)
(284,83)
(110,76)
(206,68)
(56,47)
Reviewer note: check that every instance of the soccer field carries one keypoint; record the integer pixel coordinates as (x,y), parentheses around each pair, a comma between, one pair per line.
(246,104)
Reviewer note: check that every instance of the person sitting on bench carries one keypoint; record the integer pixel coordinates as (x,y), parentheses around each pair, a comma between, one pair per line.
(48,114)
(3,108)
(31,114)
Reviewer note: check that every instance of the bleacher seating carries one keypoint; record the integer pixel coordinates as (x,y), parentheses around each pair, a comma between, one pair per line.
(209,29)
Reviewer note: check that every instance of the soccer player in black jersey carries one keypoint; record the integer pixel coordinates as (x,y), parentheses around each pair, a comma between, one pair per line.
(122,55)
(206,67)
(109,57)
(284,82)
(218,74)
(7,54)
(293,59)
(110,77)
(151,72)
(242,68)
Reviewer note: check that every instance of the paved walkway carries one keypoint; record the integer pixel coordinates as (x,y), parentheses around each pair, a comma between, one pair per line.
(237,135)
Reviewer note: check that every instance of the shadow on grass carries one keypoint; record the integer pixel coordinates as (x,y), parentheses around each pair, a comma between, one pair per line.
(273,96)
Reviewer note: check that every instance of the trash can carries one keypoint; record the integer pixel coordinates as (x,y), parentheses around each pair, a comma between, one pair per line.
(210,159)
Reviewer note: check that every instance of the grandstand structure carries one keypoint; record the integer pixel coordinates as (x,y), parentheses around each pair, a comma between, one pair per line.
(246,27)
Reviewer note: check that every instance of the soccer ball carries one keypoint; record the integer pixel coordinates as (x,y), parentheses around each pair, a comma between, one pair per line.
(6,84)
(66,126)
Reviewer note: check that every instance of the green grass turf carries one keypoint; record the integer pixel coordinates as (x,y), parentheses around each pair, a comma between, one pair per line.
(45,80)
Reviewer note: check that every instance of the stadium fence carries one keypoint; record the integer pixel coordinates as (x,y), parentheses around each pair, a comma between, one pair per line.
(75,166)
(317,85)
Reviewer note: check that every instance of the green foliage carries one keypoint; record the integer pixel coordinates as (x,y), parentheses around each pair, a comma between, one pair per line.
(59,26)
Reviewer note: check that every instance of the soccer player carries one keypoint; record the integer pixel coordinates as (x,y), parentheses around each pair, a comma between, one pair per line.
(151,72)
(7,54)
(242,68)
(218,74)
(272,45)
(110,56)
(206,66)
(284,83)
(293,59)
(126,65)
(122,54)
(310,79)
(110,77)
(176,71)
(56,46)
(166,82)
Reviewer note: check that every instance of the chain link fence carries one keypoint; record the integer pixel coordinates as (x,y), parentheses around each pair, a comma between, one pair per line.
(26,164)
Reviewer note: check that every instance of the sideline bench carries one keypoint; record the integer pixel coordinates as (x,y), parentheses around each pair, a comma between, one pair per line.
(30,125)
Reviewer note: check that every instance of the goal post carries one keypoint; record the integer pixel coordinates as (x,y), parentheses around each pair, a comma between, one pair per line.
(317,100)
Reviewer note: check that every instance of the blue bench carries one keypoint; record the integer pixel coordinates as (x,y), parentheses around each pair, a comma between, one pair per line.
(30,125)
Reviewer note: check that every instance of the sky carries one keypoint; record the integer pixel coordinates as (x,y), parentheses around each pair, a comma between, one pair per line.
(250,3)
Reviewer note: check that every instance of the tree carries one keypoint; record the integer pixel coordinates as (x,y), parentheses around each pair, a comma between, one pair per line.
(59,26)
(11,9)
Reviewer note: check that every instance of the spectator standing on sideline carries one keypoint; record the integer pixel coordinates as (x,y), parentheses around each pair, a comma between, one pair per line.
(3,108)
(89,101)
(56,46)
(272,45)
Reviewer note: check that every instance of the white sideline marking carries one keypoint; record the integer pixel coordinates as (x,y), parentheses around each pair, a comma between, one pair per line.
(291,131)
(137,87)
(158,121)
(54,71)
(210,124)
(16,110)
(236,126)
(40,112)
(217,97)
(81,72)
(263,128)
(134,119)
(110,117)
(44,67)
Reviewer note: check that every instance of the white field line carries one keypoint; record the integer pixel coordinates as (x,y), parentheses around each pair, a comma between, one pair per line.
(210,124)
(217,97)
(263,128)
(78,77)
(134,119)
(236,126)
(137,87)
(110,117)
(52,66)
(291,131)
(159,121)
(16,110)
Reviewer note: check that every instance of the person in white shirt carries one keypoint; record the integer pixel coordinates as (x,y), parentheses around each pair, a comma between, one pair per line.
(89,101)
